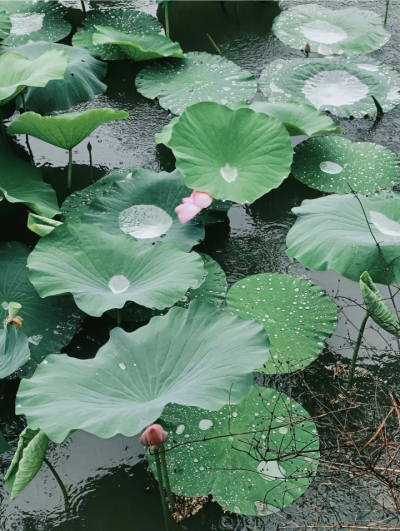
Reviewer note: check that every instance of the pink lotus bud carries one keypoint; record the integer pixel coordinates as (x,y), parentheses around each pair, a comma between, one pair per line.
(193,205)
(153,436)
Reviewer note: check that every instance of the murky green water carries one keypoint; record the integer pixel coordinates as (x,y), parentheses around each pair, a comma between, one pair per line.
(107,481)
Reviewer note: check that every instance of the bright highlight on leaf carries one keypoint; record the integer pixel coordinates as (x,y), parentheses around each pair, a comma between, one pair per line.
(198,357)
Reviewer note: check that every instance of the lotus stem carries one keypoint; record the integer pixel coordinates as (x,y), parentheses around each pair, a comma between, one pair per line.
(387,11)
(166,18)
(162,493)
(69,182)
(83,7)
(89,148)
(356,349)
(58,479)
(214,45)
(166,477)
(23,102)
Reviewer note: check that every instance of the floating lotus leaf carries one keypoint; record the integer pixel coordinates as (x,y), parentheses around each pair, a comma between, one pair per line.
(18,72)
(81,79)
(331,31)
(35,21)
(27,461)
(4,446)
(165,136)
(20,182)
(332,233)
(14,350)
(49,324)
(198,357)
(331,163)
(143,207)
(255,458)
(342,86)
(40,225)
(200,77)
(297,315)
(138,47)
(235,155)
(135,22)
(64,130)
(5,24)
(104,271)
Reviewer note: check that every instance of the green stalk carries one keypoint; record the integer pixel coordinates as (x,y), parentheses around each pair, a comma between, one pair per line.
(166,19)
(162,493)
(69,183)
(166,478)
(89,148)
(387,11)
(23,102)
(356,349)
(58,479)
(214,45)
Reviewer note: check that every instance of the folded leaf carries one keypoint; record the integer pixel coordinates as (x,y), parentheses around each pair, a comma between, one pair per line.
(41,225)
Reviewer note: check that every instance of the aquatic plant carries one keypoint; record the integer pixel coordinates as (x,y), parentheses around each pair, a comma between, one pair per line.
(41,225)
(5,24)
(192,206)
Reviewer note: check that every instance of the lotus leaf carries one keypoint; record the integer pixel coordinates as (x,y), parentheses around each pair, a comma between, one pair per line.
(331,31)
(342,86)
(64,130)
(165,136)
(138,47)
(40,20)
(5,24)
(377,307)
(332,232)
(104,271)
(135,22)
(14,350)
(297,315)
(20,182)
(49,324)
(331,163)
(235,155)
(143,207)
(255,458)
(4,446)
(81,79)
(200,357)
(199,77)
(18,72)
(41,225)
(27,461)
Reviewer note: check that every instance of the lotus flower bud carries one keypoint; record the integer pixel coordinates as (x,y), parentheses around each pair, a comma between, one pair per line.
(153,436)
(193,205)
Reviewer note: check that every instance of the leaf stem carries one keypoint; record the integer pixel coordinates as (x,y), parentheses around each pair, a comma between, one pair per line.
(386,12)
(62,486)
(166,478)
(166,18)
(162,493)
(214,45)
(69,182)
(89,148)
(356,349)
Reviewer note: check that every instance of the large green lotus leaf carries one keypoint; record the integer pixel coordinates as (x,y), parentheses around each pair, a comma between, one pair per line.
(27,461)
(377,307)
(14,350)
(144,208)
(200,77)
(342,86)
(138,47)
(135,22)
(5,24)
(255,458)
(332,233)
(18,72)
(104,271)
(64,130)
(35,21)
(49,324)
(197,357)
(20,182)
(4,446)
(331,31)
(297,315)
(235,155)
(331,163)
(81,79)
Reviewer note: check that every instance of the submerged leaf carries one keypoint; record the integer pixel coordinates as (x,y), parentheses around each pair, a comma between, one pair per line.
(14,350)
(27,461)
(41,225)
(255,458)
(198,357)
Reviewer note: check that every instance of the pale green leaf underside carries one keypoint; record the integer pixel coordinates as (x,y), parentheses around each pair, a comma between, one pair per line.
(331,31)
(14,350)
(104,271)
(199,77)
(331,163)
(64,130)
(27,461)
(5,24)
(258,478)
(190,357)
(342,86)
(40,225)
(297,315)
(234,155)
(332,233)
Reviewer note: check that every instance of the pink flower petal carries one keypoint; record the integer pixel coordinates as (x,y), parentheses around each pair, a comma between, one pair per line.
(186,212)
(201,199)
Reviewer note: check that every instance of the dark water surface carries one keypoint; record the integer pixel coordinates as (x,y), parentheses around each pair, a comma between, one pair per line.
(106,479)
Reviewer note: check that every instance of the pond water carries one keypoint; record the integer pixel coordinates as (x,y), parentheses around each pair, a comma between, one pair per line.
(107,479)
